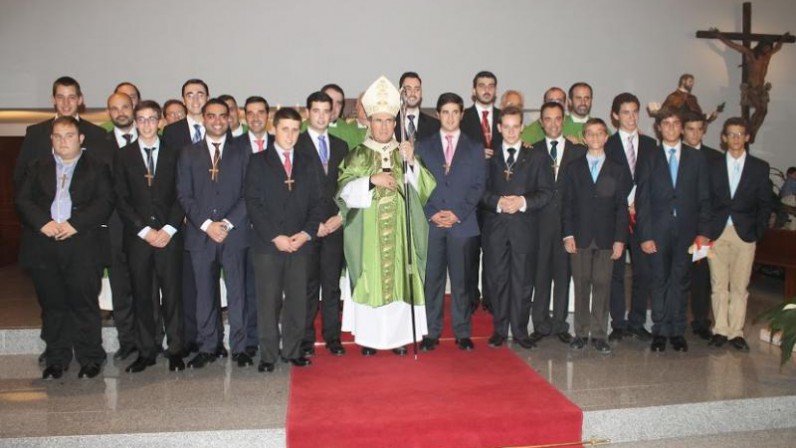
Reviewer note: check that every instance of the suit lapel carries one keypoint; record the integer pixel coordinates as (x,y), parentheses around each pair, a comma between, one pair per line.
(49,181)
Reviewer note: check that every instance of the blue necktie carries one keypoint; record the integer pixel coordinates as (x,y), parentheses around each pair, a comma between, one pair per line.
(736,176)
(594,171)
(554,150)
(197,134)
(673,166)
(323,150)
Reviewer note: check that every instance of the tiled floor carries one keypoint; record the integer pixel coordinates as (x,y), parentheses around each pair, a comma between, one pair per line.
(223,396)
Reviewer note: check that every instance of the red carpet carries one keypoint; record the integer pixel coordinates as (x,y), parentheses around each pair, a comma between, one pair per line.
(447,398)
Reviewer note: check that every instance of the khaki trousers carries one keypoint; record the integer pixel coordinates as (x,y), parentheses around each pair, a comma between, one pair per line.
(730,269)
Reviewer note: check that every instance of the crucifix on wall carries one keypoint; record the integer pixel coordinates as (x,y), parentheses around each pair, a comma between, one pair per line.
(754,88)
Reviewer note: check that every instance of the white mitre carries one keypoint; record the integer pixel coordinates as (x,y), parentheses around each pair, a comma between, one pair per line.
(382,96)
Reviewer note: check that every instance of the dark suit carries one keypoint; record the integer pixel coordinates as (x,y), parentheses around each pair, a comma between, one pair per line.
(278,210)
(67,274)
(326,261)
(672,216)
(178,134)
(595,214)
(749,207)
(450,250)
(152,270)
(700,270)
(426,125)
(553,263)
(471,126)
(510,240)
(637,315)
(203,199)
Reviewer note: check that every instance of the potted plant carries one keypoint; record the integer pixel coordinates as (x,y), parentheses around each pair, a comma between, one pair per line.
(782,320)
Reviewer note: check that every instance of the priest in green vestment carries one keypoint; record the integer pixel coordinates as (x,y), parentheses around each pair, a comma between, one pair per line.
(371,195)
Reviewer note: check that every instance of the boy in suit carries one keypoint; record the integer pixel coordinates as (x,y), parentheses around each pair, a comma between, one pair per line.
(594,225)
(283,196)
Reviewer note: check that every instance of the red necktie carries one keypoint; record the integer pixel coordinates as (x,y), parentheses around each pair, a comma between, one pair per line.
(486,129)
(259,145)
(288,165)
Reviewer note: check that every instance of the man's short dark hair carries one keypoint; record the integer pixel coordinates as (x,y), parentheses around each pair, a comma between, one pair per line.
(286,113)
(128,83)
(226,97)
(667,112)
(213,101)
(318,97)
(683,77)
(623,98)
(67,81)
(511,110)
(593,122)
(412,75)
(791,170)
(334,87)
(448,98)
(172,102)
(484,74)
(195,81)
(690,117)
(148,104)
(67,120)
(580,84)
(552,105)
(735,121)
(256,99)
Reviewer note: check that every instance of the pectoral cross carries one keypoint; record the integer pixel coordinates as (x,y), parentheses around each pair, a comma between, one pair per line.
(447,168)
(508,173)
(289,183)
(213,173)
(149,178)
(63,181)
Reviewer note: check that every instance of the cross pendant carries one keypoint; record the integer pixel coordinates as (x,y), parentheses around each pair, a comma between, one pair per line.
(289,183)
(447,168)
(213,173)
(63,181)
(508,173)
(149,178)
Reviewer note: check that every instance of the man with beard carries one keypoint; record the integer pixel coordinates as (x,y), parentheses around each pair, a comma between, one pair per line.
(416,124)
(480,123)
(371,196)
(128,89)
(683,101)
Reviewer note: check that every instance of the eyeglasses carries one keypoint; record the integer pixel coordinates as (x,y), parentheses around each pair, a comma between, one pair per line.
(735,134)
(144,120)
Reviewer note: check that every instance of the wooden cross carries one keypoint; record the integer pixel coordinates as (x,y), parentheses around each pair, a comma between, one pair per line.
(149,178)
(63,181)
(508,173)
(754,66)
(213,173)
(447,168)
(289,183)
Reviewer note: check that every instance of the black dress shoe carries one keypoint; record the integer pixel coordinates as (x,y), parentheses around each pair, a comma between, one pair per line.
(526,343)
(564,337)
(400,351)
(140,364)
(54,372)
(465,344)
(251,350)
(89,370)
(578,343)
(428,344)
(176,363)
(739,344)
(703,333)
(265,367)
(601,346)
(496,341)
(300,361)
(367,351)
(658,344)
(190,348)
(221,351)
(536,337)
(201,360)
(679,344)
(717,341)
(308,350)
(242,359)
(124,353)
(335,347)
(640,333)
(617,335)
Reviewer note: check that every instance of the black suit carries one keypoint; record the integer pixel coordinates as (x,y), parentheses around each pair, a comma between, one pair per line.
(700,270)
(326,261)
(640,294)
(276,209)
(553,262)
(471,126)
(510,240)
(672,216)
(426,125)
(152,269)
(67,274)
(751,205)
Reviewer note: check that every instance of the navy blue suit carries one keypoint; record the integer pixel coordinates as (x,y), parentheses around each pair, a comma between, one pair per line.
(459,191)
(672,216)
(203,199)
(637,315)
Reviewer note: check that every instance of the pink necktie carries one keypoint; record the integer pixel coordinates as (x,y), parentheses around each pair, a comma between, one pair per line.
(449,150)
(631,155)
(259,145)
(288,165)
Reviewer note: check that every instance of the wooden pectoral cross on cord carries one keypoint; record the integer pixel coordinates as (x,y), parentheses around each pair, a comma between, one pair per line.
(63,181)
(149,178)
(508,172)
(447,168)
(213,173)
(289,182)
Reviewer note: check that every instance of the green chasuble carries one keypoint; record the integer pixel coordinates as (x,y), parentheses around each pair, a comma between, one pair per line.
(375,237)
